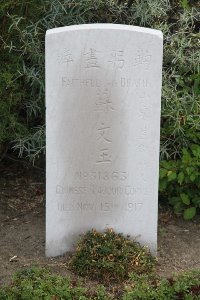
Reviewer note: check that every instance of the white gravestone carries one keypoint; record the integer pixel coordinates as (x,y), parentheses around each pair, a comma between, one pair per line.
(103,96)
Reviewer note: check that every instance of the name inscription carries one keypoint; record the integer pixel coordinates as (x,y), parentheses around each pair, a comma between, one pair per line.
(96,83)
(92,58)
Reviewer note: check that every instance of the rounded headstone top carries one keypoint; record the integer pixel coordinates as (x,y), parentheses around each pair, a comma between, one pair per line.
(105,26)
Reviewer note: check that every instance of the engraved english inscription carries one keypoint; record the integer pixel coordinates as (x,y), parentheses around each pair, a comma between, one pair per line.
(102,206)
(122,82)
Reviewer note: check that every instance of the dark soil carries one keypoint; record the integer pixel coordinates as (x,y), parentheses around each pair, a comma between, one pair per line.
(22,230)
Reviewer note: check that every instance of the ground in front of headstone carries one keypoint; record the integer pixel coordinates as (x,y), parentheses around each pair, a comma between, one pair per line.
(22,234)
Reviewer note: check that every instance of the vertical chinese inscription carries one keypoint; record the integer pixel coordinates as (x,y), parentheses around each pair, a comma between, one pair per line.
(104,106)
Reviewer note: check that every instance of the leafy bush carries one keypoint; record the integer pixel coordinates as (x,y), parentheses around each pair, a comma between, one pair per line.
(110,257)
(180,182)
(21,90)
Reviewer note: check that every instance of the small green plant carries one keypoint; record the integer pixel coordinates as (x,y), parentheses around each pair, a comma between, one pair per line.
(184,286)
(180,182)
(110,257)
(41,284)
(38,284)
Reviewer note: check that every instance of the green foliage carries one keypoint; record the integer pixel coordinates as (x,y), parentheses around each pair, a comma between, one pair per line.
(110,257)
(185,4)
(184,286)
(41,284)
(11,108)
(22,94)
(33,144)
(180,124)
(180,182)
(38,284)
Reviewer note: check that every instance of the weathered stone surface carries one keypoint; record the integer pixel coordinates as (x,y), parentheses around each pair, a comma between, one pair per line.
(103,94)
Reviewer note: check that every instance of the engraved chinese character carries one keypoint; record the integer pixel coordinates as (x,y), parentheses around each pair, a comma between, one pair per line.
(143,58)
(91,58)
(103,132)
(142,135)
(117,59)
(144,109)
(65,56)
(104,102)
(141,147)
(104,156)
